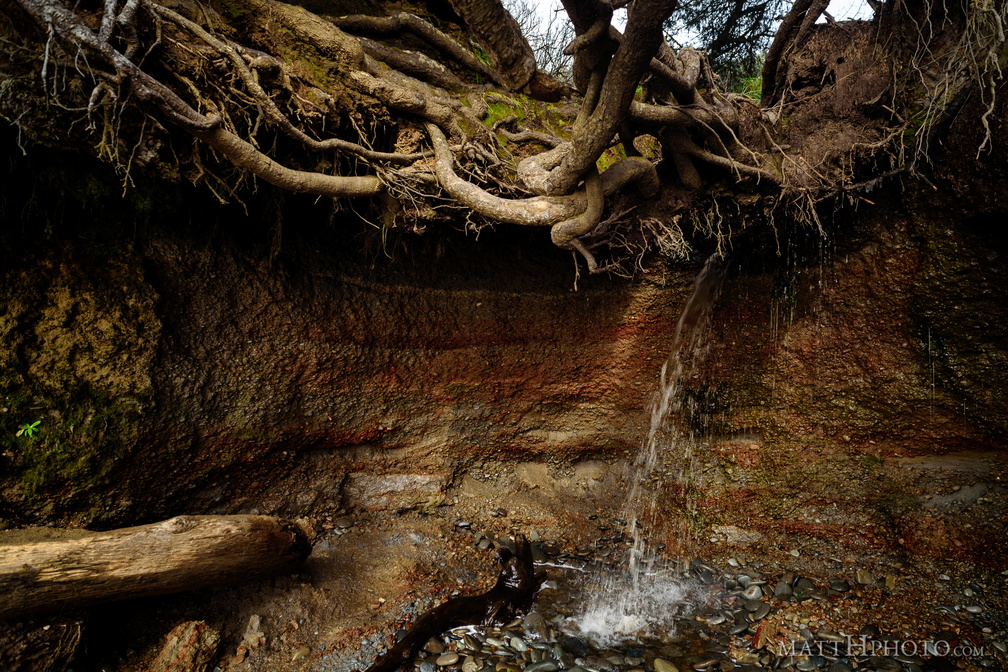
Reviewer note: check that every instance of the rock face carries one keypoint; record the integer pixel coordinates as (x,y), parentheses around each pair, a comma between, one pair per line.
(189,369)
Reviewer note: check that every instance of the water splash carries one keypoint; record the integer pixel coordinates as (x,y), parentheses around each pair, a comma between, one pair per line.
(644,598)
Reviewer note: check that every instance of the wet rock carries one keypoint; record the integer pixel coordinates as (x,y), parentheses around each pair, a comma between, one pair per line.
(535,622)
(434,646)
(760,613)
(739,627)
(447,658)
(864,577)
(782,590)
(830,636)
(885,664)
(706,664)
(599,663)
(575,645)
(543,666)
(753,593)
(427,666)
(662,665)
(871,631)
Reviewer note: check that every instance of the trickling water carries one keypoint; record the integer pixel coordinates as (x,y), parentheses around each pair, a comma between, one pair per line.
(643,600)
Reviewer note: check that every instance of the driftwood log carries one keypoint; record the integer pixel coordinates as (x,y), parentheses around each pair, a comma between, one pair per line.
(511,595)
(183,553)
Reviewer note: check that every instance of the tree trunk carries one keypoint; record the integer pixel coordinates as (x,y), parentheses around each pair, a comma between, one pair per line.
(182,553)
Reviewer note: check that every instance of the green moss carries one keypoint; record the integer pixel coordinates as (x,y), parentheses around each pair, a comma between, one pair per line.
(610,156)
(871,463)
(458,389)
(70,464)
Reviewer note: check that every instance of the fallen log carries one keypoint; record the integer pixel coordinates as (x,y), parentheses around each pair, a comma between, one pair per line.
(179,554)
(512,594)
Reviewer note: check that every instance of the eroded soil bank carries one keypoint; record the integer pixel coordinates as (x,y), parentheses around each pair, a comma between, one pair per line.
(850,411)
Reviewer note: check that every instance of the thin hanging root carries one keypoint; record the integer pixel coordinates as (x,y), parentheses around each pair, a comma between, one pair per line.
(687,146)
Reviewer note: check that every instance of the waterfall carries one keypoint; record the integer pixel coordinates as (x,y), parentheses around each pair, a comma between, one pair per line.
(642,599)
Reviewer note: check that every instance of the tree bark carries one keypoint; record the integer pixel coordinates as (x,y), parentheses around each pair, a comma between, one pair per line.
(182,553)
(509,52)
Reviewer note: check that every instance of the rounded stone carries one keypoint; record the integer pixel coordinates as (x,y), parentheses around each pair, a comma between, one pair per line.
(662,665)
(753,593)
(434,646)
(761,612)
(447,658)
(543,666)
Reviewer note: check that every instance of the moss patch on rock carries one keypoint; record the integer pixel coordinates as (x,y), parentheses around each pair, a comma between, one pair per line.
(79,335)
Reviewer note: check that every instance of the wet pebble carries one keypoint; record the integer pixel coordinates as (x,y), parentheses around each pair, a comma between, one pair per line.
(446,659)
(434,645)
(864,577)
(543,666)
(427,666)
(885,664)
(662,665)
(753,593)
(760,613)
(738,628)
(805,665)
(782,590)
(706,664)
(345,523)
(830,636)
(974,609)
(471,664)
(598,663)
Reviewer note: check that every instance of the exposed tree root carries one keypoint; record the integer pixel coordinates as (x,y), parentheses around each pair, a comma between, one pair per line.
(367,107)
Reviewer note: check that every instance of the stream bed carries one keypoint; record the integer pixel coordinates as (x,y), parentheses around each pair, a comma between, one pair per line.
(703,618)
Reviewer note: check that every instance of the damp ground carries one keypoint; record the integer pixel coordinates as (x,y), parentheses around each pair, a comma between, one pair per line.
(372,572)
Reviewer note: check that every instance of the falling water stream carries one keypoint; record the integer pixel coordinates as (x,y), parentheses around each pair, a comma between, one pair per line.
(643,596)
